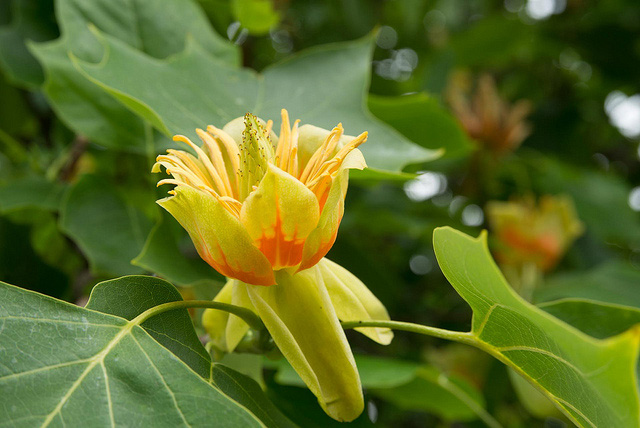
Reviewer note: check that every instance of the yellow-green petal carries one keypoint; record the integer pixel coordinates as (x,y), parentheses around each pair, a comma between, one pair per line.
(236,327)
(218,235)
(353,301)
(215,321)
(298,313)
(227,330)
(279,215)
(310,138)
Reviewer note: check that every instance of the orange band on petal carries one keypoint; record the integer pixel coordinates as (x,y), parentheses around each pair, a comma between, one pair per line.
(322,251)
(227,270)
(280,250)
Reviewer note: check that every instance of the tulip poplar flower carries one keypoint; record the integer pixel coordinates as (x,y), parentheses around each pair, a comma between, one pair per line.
(538,234)
(487,117)
(264,211)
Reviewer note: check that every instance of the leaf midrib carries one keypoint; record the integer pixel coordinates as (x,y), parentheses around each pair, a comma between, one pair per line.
(95,360)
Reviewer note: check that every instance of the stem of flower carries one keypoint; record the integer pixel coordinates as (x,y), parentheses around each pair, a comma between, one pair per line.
(255,322)
(247,315)
(456,336)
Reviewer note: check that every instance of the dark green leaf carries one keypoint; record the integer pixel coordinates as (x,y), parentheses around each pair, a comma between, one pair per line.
(410,386)
(31,192)
(606,193)
(301,406)
(247,392)
(129,296)
(109,232)
(422,119)
(161,254)
(597,319)
(432,391)
(612,282)
(32,20)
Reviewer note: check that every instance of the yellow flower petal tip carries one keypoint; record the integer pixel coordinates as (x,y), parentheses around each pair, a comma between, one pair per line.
(253,202)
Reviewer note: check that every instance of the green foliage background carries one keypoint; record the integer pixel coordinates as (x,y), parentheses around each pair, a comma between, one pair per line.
(91,91)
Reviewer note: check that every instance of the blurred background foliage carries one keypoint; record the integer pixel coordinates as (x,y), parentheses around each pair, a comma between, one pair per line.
(536,103)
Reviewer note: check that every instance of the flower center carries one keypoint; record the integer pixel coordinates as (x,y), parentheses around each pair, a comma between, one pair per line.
(230,173)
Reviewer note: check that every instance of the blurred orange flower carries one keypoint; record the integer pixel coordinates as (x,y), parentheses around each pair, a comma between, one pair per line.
(486,116)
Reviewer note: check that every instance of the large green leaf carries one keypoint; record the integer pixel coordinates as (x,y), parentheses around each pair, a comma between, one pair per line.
(158,28)
(109,232)
(62,365)
(322,86)
(130,296)
(592,381)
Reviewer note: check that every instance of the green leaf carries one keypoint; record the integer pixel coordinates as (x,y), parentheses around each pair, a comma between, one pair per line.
(65,365)
(20,263)
(607,193)
(597,319)
(592,381)
(611,282)
(247,392)
(422,119)
(257,16)
(31,192)
(301,406)
(375,372)
(322,86)
(449,397)
(410,386)
(129,296)
(161,254)
(159,28)
(494,42)
(32,20)
(109,232)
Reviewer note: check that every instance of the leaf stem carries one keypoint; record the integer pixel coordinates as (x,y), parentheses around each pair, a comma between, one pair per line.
(247,315)
(456,336)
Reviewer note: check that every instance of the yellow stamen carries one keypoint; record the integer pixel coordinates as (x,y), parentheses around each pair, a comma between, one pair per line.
(232,149)
(214,176)
(292,168)
(215,161)
(188,162)
(325,150)
(332,165)
(283,152)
